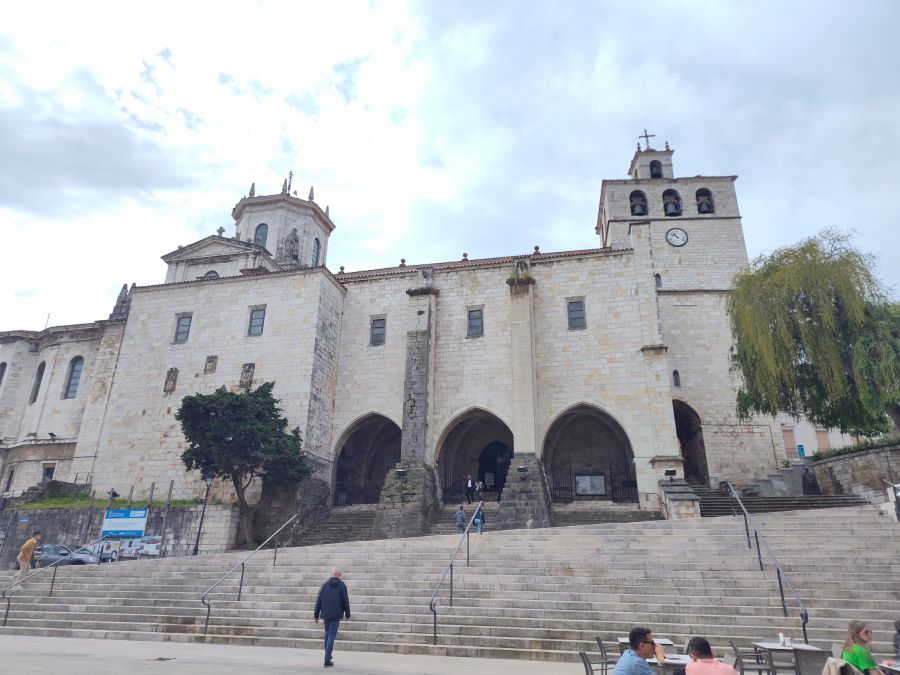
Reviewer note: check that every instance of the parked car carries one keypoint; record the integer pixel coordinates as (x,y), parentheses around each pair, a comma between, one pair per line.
(54,552)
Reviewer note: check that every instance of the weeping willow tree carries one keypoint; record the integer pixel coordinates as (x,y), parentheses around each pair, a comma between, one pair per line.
(815,336)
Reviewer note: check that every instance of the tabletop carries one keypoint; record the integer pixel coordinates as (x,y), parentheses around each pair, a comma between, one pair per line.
(778,647)
(659,641)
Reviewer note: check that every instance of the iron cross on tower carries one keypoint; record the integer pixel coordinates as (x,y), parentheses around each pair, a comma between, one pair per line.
(647,138)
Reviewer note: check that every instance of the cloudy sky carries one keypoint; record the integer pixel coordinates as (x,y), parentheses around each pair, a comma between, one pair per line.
(430,128)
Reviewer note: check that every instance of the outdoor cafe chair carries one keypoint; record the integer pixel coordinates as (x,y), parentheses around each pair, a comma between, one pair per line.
(745,661)
(605,661)
(586,662)
(810,662)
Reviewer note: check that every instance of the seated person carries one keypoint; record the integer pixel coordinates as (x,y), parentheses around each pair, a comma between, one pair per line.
(642,647)
(857,648)
(702,661)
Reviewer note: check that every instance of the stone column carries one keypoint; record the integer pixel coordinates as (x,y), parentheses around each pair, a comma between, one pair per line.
(521,334)
(409,494)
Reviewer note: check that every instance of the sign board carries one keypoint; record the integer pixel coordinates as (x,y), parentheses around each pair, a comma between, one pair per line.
(129,549)
(590,484)
(150,546)
(124,523)
(801,451)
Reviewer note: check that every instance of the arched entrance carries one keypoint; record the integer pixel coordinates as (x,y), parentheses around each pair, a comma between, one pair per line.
(476,444)
(589,457)
(371,448)
(689,430)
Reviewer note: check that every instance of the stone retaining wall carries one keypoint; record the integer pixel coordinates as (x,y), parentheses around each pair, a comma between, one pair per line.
(839,475)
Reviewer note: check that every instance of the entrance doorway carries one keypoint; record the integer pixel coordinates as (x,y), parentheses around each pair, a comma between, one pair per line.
(689,430)
(589,457)
(371,449)
(476,444)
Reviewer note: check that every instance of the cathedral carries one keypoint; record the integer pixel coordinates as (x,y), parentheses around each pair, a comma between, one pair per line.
(608,366)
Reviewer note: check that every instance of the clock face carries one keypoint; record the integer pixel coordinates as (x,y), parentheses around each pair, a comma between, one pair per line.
(676,236)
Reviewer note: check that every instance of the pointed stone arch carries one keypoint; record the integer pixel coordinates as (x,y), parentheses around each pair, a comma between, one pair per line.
(689,429)
(585,440)
(476,442)
(368,448)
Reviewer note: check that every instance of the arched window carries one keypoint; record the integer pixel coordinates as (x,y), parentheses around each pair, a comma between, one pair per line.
(671,203)
(656,169)
(638,203)
(315,252)
(75,368)
(2,372)
(36,387)
(676,378)
(262,233)
(705,201)
(212,274)
(658,279)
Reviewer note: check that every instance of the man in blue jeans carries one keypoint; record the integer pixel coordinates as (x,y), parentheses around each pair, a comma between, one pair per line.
(332,604)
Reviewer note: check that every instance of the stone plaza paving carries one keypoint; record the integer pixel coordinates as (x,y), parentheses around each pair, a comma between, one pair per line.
(26,655)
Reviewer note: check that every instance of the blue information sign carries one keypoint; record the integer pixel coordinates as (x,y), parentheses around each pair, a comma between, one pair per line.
(124,523)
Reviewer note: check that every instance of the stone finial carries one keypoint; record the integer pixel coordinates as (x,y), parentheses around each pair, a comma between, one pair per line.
(341,271)
(312,194)
(220,231)
(465,256)
(252,189)
(327,214)
(121,302)
(284,187)
(667,145)
(402,262)
(639,146)
(537,250)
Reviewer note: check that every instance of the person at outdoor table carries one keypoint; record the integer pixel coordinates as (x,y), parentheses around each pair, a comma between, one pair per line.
(702,661)
(857,651)
(642,647)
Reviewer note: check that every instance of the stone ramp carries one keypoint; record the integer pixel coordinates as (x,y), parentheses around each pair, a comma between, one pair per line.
(528,594)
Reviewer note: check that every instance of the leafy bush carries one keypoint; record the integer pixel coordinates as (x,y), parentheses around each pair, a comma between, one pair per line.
(869,444)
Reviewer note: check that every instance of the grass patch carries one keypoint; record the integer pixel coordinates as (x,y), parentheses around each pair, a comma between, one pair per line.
(857,447)
(83,502)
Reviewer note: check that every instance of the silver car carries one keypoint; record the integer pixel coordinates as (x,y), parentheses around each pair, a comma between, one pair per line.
(54,552)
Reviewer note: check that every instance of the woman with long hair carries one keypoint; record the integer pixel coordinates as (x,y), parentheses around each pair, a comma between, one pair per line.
(857,651)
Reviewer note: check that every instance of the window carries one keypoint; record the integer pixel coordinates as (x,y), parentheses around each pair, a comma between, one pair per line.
(476,323)
(47,473)
(676,378)
(315,252)
(822,440)
(9,478)
(638,203)
(671,203)
(262,233)
(257,319)
(705,201)
(2,372)
(212,274)
(576,314)
(36,387)
(658,279)
(182,328)
(75,368)
(376,332)
(656,169)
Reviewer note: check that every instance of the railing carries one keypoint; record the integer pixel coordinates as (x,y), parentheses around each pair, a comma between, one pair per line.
(449,570)
(204,598)
(41,570)
(782,575)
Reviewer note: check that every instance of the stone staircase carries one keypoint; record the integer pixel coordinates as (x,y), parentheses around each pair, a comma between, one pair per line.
(445,523)
(536,594)
(560,517)
(345,523)
(718,503)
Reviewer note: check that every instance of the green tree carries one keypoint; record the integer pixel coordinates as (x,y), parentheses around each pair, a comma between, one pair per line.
(815,335)
(241,436)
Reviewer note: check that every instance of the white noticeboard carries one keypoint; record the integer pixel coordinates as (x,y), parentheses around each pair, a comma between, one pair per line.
(124,523)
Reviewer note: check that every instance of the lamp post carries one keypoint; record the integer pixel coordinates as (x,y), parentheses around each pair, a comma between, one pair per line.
(209,481)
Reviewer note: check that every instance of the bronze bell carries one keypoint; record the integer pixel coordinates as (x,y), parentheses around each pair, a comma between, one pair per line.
(704,206)
(671,209)
(638,208)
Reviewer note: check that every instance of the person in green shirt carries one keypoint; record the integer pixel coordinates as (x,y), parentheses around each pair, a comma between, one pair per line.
(857,651)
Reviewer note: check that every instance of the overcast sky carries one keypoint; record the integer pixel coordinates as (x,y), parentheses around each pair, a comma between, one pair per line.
(430,128)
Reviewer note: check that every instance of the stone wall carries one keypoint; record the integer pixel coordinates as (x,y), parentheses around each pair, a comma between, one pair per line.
(308,500)
(839,475)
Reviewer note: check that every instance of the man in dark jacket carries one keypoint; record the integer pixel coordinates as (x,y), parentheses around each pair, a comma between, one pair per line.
(332,604)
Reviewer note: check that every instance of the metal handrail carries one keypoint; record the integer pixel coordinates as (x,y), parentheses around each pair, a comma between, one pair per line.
(241,564)
(782,575)
(41,570)
(449,570)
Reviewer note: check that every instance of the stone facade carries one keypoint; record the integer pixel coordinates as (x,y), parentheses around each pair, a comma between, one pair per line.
(858,472)
(573,359)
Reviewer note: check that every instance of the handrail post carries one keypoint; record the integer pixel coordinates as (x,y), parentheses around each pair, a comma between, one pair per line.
(6,616)
(434,615)
(747,530)
(758,551)
(53,581)
(241,586)
(804,618)
(467,547)
(275,558)
(781,590)
(451,584)
(206,626)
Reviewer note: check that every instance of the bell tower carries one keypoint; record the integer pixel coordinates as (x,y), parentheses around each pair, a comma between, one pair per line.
(294,231)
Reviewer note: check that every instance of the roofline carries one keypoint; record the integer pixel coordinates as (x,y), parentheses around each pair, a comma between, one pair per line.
(231,241)
(236,277)
(238,209)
